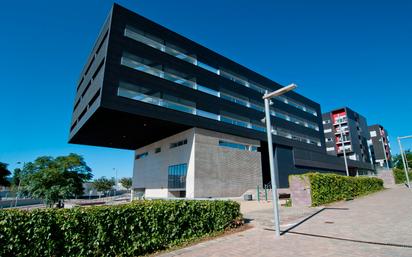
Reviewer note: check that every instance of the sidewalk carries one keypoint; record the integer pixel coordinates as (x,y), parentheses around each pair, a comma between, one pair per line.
(376,225)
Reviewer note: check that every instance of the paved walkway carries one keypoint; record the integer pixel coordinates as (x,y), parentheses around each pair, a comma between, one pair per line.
(376,225)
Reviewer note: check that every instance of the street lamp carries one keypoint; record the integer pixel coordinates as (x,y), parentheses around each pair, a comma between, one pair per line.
(404,159)
(343,145)
(384,153)
(266,97)
(115,180)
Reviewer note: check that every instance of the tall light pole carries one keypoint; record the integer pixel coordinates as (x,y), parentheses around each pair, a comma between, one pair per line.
(115,180)
(266,97)
(404,160)
(384,153)
(343,145)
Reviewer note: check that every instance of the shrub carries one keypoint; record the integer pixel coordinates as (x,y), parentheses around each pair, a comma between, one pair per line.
(399,176)
(132,229)
(327,187)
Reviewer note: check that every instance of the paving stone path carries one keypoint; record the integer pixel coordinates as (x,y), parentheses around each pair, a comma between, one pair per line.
(376,225)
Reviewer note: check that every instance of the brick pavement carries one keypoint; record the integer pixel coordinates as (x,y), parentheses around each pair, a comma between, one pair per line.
(384,217)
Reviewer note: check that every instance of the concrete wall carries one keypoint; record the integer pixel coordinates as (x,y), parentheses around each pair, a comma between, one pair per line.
(213,170)
(300,191)
(222,171)
(151,172)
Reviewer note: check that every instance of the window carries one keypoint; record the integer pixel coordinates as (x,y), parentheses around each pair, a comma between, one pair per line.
(142,155)
(102,42)
(208,90)
(77,104)
(151,96)
(158,150)
(158,43)
(330,149)
(207,67)
(244,147)
(177,176)
(327,131)
(179,143)
(94,98)
(373,133)
(154,69)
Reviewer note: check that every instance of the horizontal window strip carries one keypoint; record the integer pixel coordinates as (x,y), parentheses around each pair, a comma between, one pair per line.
(129,61)
(125,90)
(146,39)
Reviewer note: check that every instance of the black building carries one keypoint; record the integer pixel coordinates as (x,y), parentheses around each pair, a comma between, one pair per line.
(355,134)
(143,83)
(380,146)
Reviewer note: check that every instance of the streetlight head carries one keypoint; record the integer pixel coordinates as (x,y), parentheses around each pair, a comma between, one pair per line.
(263,120)
(280,91)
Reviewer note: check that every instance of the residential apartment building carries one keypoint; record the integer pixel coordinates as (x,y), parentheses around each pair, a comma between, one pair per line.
(347,130)
(379,146)
(192,116)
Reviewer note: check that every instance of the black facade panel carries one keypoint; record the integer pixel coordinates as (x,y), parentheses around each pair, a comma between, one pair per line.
(114,73)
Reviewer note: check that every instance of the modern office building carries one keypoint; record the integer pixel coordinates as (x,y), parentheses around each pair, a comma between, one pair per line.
(192,116)
(379,146)
(346,130)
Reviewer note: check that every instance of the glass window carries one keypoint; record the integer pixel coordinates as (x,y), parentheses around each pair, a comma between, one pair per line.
(179,143)
(158,43)
(153,97)
(142,155)
(177,176)
(140,64)
(158,150)
(234,121)
(244,147)
(207,67)
(208,90)
(207,114)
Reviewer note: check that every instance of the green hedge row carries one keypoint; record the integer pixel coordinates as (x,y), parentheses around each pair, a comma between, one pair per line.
(132,229)
(400,177)
(327,187)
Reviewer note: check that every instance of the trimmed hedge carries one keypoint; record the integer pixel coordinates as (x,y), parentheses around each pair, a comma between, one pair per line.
(131,229)
(400,177)
(328,187)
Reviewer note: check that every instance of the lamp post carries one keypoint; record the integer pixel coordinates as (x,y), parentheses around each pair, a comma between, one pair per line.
(404,160)
(115,180)
(343,145)
(384,153)
(266,97)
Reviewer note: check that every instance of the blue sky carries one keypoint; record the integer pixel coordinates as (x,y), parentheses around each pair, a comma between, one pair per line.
(353,53)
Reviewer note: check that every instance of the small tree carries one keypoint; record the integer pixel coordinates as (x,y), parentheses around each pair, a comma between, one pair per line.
(103,184)
(4,173)
(55,179)
(126,183)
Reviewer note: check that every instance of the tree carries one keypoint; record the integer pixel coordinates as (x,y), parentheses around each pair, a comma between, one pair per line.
(4,173)
(56,179)
(126,182)
(397,160)
(103,184)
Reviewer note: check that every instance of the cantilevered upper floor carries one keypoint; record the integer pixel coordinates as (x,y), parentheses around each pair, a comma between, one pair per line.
(143,82)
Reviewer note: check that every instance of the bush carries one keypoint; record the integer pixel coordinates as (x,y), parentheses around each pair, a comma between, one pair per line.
(132,229)
(327,188)
(399,176)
